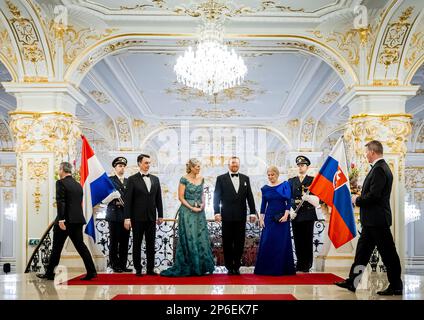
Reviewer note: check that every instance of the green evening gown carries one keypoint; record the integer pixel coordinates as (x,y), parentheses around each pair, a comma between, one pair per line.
(194,254)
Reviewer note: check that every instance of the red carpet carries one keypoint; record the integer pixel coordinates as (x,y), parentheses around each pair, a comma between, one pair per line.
(215,279)
(204,297)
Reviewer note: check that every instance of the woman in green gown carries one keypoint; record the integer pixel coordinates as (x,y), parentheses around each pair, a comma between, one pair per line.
(194,253)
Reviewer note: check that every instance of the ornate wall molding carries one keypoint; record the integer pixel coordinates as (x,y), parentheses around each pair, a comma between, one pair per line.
(37,170)
(7,176)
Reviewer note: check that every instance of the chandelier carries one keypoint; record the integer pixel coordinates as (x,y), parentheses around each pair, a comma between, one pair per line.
(211,67)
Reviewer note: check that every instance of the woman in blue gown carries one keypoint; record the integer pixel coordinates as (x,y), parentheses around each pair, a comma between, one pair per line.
(275,255)
(194,253)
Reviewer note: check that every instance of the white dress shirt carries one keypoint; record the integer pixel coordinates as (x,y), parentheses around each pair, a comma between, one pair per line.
(235,180)
(375,161)
(147,181)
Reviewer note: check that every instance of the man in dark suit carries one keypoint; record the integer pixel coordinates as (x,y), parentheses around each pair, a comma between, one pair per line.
(69,222)
(119,235)
(376,219)
(232,190)
(143,200)
(304,222)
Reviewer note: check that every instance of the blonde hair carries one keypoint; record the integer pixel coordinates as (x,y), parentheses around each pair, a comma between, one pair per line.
(191,163)
(273,169)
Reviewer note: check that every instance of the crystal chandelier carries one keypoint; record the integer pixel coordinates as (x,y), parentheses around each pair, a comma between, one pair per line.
(211,67)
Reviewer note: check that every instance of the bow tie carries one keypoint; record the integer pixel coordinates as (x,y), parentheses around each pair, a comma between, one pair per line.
(234,175)
(145,175)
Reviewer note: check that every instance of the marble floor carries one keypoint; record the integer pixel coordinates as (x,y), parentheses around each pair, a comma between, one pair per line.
(29,287)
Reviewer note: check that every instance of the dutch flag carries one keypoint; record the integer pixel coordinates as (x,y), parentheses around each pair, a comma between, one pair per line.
(95,183)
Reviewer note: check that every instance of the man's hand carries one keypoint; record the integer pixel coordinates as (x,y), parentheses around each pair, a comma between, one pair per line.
(62,225)
(127,224)
(217,217)
(293,214)
(354,199)
(159,221)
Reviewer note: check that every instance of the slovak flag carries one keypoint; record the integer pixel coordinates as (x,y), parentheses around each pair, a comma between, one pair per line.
(95,183)
(331,185)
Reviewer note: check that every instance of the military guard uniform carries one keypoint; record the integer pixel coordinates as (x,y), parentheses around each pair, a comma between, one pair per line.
(304,222)
(119,236)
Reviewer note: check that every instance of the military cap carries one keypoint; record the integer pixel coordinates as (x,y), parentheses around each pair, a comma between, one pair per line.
(119,160)
(303,160)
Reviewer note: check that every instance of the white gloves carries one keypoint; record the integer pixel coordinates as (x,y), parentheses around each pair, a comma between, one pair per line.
(292,214)
(114,195)
(314,200)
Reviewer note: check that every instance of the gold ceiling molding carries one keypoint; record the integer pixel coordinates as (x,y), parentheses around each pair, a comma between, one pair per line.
(394,38)
(314,50)
(124,132)
(230,43)
(100,97)
(382,116)
(248,91)
(26,35)
(329,97)
(416,48)
(112,47)
(217,113)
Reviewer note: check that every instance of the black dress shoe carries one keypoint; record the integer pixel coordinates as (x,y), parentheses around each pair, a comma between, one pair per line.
(230,272)
(345,284)
(390,292)
(89,276)
(117,270)
(138,273)
(236,272)
(45,276)
(126,270)
(152,273)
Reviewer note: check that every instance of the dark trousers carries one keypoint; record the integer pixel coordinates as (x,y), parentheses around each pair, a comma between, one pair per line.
(147,228)
(118,244)
(303,234)
(233,236)
(383,239)
(74,231)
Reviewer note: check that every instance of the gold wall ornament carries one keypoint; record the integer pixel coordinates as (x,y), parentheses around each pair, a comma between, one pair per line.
(75,41)
(100,97)
(7,176)
(54,132)
(124,132)
(385,82)
(216,113)
(6,47)
(394,39)
(308,129)
(37,172)
(414,177)
(26,34)
(415,50)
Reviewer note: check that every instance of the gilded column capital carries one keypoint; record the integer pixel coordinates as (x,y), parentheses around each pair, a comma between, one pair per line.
(55,132)
(392,130)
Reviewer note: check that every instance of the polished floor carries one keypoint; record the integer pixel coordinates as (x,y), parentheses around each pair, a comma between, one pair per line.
(29,287)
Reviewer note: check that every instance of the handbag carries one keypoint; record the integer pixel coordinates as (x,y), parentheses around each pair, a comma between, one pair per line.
(276,217)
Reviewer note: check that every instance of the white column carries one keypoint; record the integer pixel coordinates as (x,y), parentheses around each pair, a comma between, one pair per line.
(45,130)
(378,113)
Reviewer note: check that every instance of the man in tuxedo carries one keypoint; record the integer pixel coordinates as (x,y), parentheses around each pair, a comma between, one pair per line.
(118,234)
(69,222)
(304,222)
(376,219)
(143,200)
(232,191)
